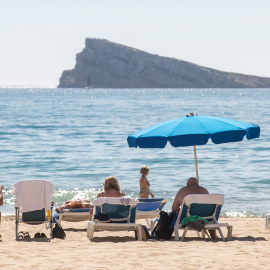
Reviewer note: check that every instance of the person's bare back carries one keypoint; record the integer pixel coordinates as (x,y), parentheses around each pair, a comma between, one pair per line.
(191,188)
(111,193)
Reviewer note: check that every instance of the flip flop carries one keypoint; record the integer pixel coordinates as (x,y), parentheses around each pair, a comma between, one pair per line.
(26,235)
(20,234)
(37,235)
(43,235)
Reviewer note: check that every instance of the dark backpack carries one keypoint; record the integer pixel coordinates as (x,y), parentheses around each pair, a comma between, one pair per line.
(165,226)
(58,232)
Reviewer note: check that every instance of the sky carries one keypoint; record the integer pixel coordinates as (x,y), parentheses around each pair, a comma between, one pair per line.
(39,39)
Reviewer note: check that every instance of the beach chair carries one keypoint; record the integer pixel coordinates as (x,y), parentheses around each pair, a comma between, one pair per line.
(72,215)
(207,206)
(149,210)
(121,213)
(33,204)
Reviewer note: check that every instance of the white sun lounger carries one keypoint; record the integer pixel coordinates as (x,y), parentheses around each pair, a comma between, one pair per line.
(33,203)
(73,215)
(121,212)
(207,206)
(149,209)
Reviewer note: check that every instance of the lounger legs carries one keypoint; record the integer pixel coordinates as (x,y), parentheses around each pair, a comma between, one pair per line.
(184,234)
(229,235)
(16,222)
(153,223)
(148,223)
(90,230)
(176,234)
(221,234)
(218,227)
(139,233)
(51,223)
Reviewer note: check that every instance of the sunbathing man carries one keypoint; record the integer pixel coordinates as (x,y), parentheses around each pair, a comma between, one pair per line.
(75,203)
(191,188)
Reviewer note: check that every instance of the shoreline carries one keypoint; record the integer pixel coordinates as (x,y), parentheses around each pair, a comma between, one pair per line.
(117,250)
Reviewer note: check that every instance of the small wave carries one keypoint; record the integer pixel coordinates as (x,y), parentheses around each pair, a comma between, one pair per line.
(240,214)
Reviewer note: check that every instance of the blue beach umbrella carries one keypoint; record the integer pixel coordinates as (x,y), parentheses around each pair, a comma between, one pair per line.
(193,130)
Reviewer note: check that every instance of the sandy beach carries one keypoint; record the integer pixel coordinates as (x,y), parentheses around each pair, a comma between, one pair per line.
(249,249)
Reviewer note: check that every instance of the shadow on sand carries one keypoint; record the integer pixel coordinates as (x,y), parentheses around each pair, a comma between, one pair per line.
(74,230)
(242,239)
(114,239)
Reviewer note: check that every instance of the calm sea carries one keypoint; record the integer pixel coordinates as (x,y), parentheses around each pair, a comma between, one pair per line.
(77,137)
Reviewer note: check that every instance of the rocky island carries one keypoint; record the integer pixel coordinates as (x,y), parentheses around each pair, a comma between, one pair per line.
(104,64)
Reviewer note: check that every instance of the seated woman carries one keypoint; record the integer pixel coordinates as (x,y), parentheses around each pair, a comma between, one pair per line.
(73,204)
(111,189)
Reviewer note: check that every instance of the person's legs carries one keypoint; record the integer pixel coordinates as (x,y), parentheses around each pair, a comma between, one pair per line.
(1,195)
(213,233)
(1,199)
(88,205)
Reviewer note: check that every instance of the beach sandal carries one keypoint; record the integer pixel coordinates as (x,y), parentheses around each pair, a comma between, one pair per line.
(37,235)
(43,235)
(26,235)
(20,235)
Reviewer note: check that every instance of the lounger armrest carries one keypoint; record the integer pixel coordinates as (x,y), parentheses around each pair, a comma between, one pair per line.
(216,225)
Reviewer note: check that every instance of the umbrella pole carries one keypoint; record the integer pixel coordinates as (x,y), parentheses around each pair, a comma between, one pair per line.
(196,165)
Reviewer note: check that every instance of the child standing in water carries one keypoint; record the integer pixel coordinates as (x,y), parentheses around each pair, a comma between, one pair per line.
(144,184)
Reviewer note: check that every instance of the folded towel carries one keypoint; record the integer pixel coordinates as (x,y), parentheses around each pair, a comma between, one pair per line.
(33,195)
(111,200)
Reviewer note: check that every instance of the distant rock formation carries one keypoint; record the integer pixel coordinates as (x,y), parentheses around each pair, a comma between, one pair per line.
(104,64)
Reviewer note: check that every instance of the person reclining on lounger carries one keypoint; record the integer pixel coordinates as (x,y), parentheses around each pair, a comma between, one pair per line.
(73,204)
(191,188)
